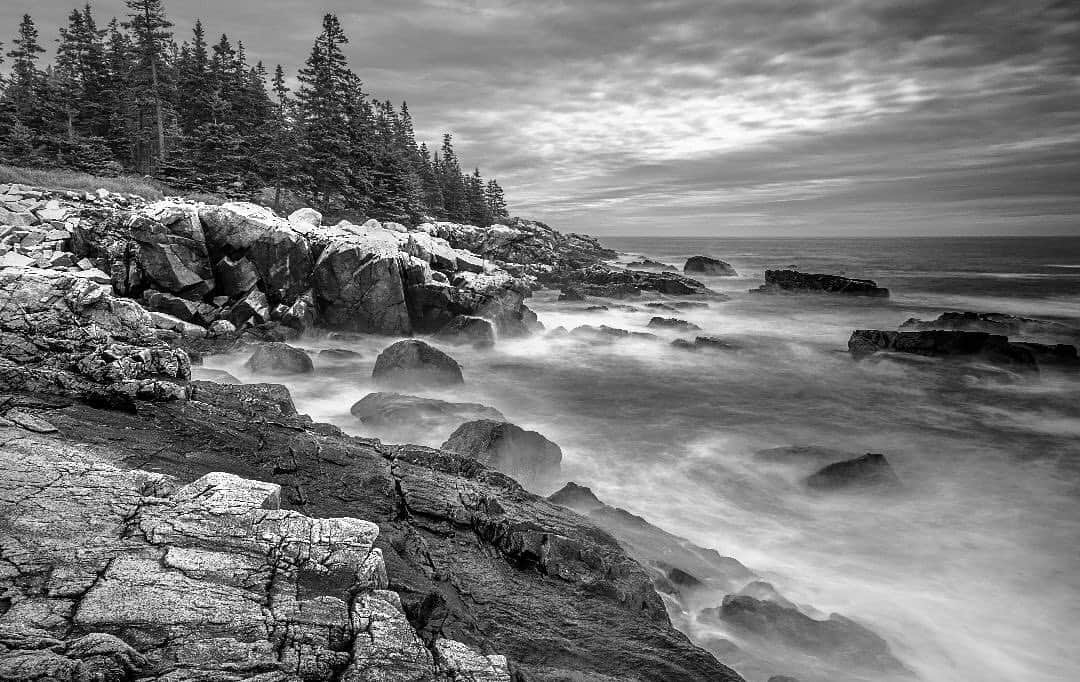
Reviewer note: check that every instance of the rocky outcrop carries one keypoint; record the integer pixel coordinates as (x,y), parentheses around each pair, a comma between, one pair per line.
(990,348)
(413,362)
(363,290)
(279,359)
(837,639)
(527,456)
(704,342)
(606,281)
(869,471)
(713,267)
(208,580)
(792,281)
(992,323)
(649,264)
(418,413)
(479,564)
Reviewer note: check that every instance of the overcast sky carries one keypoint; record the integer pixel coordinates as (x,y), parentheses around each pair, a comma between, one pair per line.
(725,117)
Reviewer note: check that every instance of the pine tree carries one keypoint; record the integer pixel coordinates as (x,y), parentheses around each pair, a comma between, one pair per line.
(81,71)
(478,212)
(150,29)
(195,107)
(429,183)
(496,200)
(455,201)
(329,93)
(26,79)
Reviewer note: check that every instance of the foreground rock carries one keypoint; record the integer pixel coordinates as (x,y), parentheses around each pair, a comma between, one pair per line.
(421,414)
(208,580)
(992,323)
(792,281)
(279,359)
(965,346)
(837,638)
(525,455)
(413,362)
(704,265)
(869,471)
(473,557)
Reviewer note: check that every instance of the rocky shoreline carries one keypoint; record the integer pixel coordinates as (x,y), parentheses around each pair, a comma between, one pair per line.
(223,536)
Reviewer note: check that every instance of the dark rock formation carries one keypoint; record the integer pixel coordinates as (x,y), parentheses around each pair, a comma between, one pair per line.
(672,323)
(990,348)
(705,265)
(648,264)
(791,281)
(605,281)
(571,293)
(839,639)
(992,323)
(279,359)
(339,355)
(606,334)
(468,329)
(713,342)
(525,455)
(413,362)
(427,414)
(869,471)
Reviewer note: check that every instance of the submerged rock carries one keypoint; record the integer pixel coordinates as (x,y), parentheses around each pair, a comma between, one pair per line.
(415,362)
(991,323)
(713,342)
(279,358)
(839,639)
(525,455)
(705,265)
(672,323)
(397,409)
(869,471)
(792,281)
(648,264)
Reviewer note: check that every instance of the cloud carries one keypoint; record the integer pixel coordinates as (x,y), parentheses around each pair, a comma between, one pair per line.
(721,116)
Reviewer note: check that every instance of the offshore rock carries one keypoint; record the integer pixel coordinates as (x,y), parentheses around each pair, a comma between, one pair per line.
(413,362)
(869,471)
(992,323)
(990,348)
(422,414)
(672,323)
(606,281)
(525,455)
(704,265)
(792,281)
(279,359)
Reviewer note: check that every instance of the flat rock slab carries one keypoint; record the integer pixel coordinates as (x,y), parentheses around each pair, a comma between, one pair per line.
(29,421)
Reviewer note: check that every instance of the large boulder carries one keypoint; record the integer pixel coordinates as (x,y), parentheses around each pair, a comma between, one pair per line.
(869,471)
(172,248)
(396,410)
(525,455)
(279,359)
(413,362)
(468,329)
(704,265)
(794,282)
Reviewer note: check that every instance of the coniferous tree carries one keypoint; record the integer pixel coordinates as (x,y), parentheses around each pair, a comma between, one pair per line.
(429,182)
(151,37)
(24,88)
(496,200)
(455,201)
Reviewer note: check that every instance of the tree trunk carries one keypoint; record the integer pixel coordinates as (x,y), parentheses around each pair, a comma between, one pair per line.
(157,94)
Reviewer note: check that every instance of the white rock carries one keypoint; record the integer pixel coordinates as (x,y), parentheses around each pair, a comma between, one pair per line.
(308,216)
(94,275)
(17,260)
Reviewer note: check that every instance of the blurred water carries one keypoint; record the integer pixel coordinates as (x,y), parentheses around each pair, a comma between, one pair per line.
(972,573)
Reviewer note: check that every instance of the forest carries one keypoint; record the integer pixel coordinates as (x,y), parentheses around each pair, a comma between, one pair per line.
(197,116)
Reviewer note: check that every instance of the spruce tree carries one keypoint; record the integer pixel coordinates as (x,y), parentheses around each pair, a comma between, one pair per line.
(429,182)
(24,90)
(496,200)
(455,201)
(151,35)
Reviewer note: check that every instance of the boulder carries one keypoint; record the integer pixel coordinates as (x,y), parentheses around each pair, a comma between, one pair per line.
(869,471)
(307,216)
(990,348)
(172,248)
(992,323)
(648,264)
(704,265)
(605,281)
(279,359)
(525,455)
(838,639)
(421,414)
(413,362)
(235,277)
(704,342)
(468,329)
(672,323)
(792,281)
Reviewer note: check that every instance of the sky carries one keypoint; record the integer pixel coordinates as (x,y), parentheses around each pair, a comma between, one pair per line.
(716,117)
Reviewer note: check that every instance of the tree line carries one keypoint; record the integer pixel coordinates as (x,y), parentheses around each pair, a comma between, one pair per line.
(199,117)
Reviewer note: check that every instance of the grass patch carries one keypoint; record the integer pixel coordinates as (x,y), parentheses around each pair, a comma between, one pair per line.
(58,178)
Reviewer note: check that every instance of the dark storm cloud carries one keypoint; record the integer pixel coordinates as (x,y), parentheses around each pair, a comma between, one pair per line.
(733,116)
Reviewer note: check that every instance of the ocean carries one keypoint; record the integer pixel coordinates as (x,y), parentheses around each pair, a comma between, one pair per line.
(970,572)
